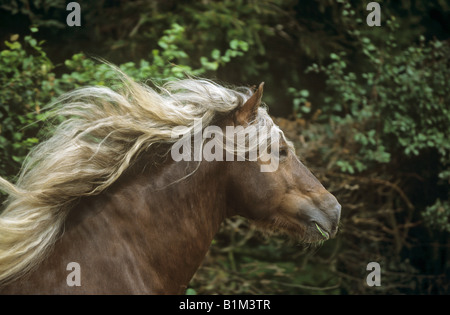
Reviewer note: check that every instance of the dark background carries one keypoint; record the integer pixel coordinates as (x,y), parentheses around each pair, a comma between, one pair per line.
(367,107)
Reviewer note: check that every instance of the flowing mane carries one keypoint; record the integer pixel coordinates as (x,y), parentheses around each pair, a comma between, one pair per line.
(102,132)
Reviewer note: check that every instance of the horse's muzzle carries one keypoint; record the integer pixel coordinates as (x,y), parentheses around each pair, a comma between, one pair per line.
(328,216)
(321,214)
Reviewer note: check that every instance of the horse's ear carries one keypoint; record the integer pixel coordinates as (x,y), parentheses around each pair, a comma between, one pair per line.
(248,111)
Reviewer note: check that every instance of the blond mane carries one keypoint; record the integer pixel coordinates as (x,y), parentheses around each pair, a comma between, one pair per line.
(101,133)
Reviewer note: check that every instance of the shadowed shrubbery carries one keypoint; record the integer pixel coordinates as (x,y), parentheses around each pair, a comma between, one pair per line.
(367,108)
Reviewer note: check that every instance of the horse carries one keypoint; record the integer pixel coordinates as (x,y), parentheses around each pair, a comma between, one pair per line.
(103,206)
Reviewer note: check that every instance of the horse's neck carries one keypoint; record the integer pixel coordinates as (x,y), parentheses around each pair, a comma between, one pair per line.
(159,229)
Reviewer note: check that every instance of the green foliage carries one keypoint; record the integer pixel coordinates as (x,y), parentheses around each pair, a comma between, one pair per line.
(167,63)
(27,86)
(300,102)
(399,104)
(437,216)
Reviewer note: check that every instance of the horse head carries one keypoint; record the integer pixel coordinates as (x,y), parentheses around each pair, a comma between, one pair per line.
(289,198)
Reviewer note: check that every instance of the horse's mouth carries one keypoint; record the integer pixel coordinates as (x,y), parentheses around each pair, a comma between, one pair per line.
(315,232)
(305,232)
(318,227)
(322,231)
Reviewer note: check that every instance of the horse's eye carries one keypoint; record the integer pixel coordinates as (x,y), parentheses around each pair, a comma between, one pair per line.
(283,153)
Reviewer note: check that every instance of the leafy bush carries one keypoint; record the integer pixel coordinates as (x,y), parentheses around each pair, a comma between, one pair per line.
(437,216)
(400,105)
(393,110)
(27,86)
